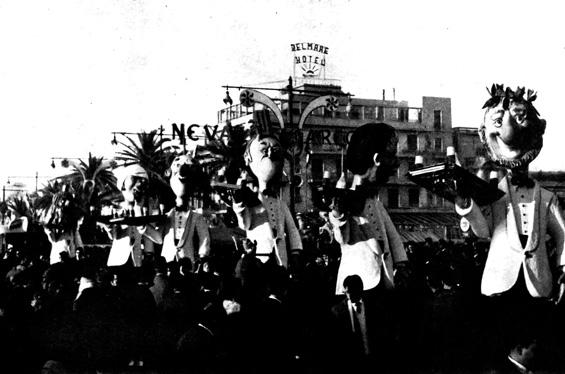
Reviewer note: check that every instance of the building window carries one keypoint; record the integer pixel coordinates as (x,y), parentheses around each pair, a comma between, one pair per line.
(431,199)
(380,113)
(412,142)
(393,198)
(438,146)
(437,202)
(317,169)
(403,114)
(413,197)
(437,119)
(469,162)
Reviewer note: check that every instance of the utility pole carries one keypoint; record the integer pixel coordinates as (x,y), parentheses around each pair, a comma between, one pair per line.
(291,131)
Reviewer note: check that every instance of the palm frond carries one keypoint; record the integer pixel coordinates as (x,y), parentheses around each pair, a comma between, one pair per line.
(19,205)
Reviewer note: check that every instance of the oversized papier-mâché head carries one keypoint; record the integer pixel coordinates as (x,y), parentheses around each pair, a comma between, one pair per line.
(133,182)
(183,175)
(512,131)
(371,153)
(264,156)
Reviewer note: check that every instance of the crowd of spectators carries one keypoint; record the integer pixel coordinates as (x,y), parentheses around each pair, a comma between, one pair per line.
(230,312)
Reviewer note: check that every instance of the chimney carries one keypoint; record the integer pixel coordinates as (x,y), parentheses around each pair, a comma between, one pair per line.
(383,94)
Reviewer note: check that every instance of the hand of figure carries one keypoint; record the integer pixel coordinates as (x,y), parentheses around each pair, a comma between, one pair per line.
(295,263)
(245,196)
(339,205)
(561,291)
(402,275)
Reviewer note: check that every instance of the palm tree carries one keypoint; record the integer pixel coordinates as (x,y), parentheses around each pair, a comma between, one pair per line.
(23,205)
(20,206)
(94,174)
(149,151)
(227,156)
(93,182)
(94,186)
(42,200)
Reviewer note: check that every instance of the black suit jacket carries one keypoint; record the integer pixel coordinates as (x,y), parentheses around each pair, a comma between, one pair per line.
(346,341)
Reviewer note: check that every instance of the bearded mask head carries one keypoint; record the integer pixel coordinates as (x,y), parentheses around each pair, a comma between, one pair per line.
(512,131)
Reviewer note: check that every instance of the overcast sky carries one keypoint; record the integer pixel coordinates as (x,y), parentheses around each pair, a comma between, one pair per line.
(71,72)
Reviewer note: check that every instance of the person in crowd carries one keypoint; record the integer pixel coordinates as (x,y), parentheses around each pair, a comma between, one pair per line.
(129,242)
(137,311)
(96,323)
(249,272)
(520,273)
(356,324)
(161,283)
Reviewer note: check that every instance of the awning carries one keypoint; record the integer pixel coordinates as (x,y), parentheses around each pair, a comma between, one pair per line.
(417,236)
(425,218)
(417,226)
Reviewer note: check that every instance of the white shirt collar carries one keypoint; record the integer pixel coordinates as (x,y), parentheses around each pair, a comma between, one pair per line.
(354,307)
(520,367)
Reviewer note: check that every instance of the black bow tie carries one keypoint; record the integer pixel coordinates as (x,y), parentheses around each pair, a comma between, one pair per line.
(522,180)
(183,208)
(269,192)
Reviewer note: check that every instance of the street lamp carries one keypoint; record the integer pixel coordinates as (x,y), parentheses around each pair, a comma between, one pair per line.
(228,100)
(65,161)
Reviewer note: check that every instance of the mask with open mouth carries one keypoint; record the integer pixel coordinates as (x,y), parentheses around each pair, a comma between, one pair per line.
(512,131)
(186,177)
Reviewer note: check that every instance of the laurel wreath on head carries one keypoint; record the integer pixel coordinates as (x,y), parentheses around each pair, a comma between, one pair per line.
(499,94)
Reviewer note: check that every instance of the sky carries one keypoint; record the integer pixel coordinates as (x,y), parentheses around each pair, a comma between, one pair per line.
(72,72)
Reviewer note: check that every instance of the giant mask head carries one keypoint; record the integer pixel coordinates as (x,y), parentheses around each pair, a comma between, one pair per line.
(371,153)
(265,158)
(133,183)
(512,131)
(183,176)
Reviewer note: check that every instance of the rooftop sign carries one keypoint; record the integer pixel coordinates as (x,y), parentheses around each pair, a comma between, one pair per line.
(310,58)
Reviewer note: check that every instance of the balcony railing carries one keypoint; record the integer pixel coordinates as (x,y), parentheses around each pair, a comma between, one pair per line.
(357,112)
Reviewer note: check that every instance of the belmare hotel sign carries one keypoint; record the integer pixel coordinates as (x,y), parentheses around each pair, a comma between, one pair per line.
(309,59)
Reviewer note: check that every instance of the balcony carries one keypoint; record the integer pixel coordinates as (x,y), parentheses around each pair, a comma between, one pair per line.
(233,112)
(406,115)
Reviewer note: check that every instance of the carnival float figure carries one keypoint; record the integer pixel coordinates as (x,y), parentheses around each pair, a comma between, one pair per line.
(521,270)
(371,247)
(60,221)
(186,233)
(258,205)
(130,241)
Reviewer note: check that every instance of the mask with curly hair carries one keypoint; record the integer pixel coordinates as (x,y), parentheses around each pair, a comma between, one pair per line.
(512,131)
